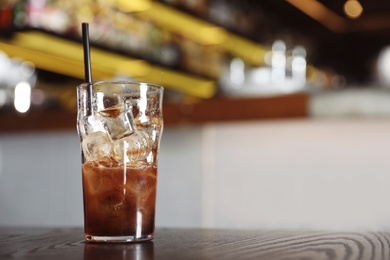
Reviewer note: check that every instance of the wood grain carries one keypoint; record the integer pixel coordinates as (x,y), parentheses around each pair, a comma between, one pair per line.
(197,244)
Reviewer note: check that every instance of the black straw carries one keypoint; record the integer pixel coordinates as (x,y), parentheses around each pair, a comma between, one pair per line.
(87,65)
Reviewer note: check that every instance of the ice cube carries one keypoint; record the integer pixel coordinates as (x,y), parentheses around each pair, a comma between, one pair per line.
(91,124)
(96,146)
(132,148)
(150,125)
(117,123)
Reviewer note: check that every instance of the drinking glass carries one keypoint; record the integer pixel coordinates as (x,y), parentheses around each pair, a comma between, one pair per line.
(120,125)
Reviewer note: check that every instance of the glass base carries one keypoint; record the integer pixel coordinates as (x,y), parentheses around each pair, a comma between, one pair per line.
(117,239)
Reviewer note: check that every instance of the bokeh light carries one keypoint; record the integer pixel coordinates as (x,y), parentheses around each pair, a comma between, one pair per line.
(22,98)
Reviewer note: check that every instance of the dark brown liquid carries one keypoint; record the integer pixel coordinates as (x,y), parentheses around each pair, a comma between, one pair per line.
(119,201)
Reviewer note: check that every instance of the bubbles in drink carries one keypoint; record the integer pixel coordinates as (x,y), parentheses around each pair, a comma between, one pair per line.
(96,146)
(132,148)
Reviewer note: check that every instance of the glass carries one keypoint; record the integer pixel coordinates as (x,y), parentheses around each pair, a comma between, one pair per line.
(120,131)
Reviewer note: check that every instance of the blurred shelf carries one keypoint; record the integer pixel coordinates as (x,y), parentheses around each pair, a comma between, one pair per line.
(207,111)
(201,31)
(65,57)
(61,52)
(237,109)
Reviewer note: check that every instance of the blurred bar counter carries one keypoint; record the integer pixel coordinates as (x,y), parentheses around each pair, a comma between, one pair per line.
(221,109)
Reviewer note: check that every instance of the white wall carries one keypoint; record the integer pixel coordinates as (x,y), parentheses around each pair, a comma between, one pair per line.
(40,179)
(269,174)
(323,174)
(40,182)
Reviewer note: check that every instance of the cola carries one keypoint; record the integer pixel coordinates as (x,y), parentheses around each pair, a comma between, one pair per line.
(119,200)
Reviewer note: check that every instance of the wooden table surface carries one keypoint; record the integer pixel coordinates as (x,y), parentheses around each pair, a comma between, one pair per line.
(68,243)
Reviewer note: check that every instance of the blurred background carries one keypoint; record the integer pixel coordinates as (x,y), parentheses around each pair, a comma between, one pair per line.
(277,113)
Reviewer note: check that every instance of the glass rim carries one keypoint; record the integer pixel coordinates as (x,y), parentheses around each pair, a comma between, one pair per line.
(119,82)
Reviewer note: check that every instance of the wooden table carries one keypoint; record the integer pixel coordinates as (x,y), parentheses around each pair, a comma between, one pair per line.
(23,243)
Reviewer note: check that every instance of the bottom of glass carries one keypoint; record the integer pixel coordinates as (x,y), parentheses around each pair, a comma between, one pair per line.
(118,239)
